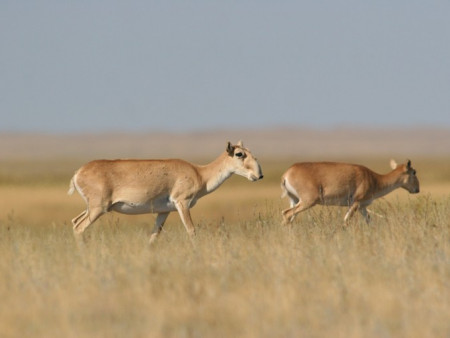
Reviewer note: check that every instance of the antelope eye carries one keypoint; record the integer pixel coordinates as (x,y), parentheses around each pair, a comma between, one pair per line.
(239,154)
(414,172)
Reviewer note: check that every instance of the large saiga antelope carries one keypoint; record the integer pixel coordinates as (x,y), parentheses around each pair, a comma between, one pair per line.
(155,186)
(341,184)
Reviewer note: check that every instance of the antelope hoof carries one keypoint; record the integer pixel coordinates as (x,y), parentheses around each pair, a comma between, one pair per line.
(286,220)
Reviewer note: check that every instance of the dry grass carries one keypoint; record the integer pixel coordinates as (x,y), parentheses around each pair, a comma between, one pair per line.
(245,275)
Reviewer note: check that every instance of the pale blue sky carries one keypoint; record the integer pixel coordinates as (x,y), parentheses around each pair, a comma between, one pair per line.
(191,65)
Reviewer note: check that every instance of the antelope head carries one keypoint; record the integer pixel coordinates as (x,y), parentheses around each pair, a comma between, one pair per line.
(408,178)
(243,163)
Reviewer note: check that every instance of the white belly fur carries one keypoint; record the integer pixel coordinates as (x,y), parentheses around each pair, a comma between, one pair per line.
(147,207)
(160,204)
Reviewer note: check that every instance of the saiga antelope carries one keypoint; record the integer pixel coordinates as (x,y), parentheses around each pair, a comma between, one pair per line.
(341,184)
(155,186)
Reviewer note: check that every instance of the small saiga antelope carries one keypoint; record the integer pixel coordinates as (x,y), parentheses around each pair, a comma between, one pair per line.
(341,184)
(155,186)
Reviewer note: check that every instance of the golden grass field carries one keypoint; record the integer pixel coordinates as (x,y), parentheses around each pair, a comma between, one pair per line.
(244,276)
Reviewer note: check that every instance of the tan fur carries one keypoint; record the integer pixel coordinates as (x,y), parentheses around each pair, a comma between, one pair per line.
(155,186)
(341,184)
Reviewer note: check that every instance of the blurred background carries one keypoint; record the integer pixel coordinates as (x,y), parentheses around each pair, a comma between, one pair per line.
(151,66)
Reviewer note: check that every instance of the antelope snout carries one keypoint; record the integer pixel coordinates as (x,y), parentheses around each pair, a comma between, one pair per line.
(254,178)
(414,190)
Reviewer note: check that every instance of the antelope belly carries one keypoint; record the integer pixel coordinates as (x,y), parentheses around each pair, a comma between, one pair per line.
(337,200)
(135,208)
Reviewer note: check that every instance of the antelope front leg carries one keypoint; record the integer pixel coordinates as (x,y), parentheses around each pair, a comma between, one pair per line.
(160,220)
(185,216)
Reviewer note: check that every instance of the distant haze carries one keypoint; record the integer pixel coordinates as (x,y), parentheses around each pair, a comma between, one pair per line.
(295,144)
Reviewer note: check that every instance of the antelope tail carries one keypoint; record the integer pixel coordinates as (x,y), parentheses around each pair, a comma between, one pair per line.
(283,188)
(71,186)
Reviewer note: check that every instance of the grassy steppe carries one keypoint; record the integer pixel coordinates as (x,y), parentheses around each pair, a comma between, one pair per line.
(245,275)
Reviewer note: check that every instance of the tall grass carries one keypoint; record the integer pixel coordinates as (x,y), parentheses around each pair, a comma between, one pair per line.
(241,277)
(244,275)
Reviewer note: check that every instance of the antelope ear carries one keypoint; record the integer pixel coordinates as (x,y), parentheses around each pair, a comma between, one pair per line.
(240,144)
(230,149)
(393,164)
(408,164)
